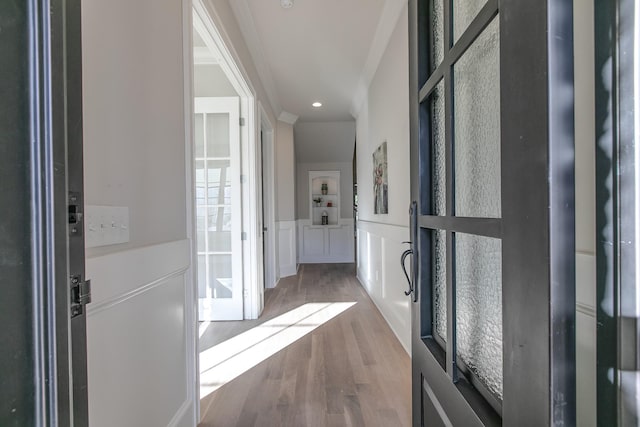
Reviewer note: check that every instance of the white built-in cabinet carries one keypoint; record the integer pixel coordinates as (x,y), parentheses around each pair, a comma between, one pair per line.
(331,241)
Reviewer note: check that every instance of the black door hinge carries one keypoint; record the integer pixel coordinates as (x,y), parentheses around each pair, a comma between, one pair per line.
(80,295)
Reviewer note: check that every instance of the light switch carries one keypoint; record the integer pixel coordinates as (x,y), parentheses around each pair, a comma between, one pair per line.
(106,225)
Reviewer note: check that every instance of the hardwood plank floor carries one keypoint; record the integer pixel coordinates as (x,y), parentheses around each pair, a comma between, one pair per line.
(348,371)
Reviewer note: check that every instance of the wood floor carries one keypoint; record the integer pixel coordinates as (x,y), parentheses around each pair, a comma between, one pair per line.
(350,371)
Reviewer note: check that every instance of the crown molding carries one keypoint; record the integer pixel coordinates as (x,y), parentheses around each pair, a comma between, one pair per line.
(247,26)
(388,21)
(288,118)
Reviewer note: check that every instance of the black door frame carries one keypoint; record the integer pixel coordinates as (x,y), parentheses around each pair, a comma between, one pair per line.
(537,225)
(41,381)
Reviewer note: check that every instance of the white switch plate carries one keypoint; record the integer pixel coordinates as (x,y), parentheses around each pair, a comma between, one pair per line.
(105,225)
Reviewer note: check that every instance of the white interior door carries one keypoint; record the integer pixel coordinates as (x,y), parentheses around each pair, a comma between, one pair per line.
(219,208)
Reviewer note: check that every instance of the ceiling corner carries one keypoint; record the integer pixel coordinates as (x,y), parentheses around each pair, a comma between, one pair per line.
(359,99)
(246,23)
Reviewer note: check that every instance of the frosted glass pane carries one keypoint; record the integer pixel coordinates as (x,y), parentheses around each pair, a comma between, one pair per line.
(199,135)
(440,283)
(464,11)
(218,135)
(477,127)
(220,283)
(218,176)
(219,229)
(437,22)
(479,307)
(200,183)
(438,150)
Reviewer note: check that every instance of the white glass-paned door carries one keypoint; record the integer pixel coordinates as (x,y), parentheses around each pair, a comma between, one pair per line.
(218,208)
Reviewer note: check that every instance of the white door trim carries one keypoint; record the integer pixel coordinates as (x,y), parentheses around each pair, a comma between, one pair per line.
(271,261)
(191,296)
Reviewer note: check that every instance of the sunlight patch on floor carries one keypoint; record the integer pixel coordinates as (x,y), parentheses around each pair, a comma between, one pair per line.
(230,359)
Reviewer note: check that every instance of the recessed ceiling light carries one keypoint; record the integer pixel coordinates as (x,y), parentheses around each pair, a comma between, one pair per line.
(317,104)
(286,4)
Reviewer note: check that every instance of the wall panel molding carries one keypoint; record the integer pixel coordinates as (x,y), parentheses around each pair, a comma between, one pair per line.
(287,248)
(137,333)
(379,249)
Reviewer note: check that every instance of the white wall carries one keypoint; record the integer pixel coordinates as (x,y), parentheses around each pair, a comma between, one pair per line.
(385,117)
(140,331)
(585,212)
(324,142)
(133,116)
(285,173)
(210,80)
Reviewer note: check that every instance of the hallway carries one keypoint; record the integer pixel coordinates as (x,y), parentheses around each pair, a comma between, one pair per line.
(349,371)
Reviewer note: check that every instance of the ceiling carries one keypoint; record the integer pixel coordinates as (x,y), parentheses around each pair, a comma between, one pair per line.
(318,50)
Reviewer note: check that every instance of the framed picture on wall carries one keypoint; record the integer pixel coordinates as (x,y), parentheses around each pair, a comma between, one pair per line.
(380,196)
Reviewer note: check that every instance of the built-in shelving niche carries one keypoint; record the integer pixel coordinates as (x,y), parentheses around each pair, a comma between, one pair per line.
(330,202)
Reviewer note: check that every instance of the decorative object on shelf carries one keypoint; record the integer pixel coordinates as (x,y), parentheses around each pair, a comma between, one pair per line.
(329,204)
(317,201)
(324,188)
(325,218)
(380,196)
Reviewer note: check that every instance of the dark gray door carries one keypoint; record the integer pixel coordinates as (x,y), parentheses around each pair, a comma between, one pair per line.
(43,357)
(617,52)
(492,220)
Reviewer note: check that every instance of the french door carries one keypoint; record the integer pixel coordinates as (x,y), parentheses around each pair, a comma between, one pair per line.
(219,208)
(492,218)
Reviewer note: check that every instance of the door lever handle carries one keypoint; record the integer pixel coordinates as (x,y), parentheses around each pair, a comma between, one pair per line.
(403,258)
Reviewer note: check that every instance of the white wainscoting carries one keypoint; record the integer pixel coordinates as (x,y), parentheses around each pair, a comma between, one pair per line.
(287,250)
(325,243)
(586,339)
(140,331)
(379,250)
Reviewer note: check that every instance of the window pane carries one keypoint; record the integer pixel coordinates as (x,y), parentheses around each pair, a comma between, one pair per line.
(438,151)
(479,307)
(437,23)
(464,11)
(200,183)
(477,127)
(199,135)
(218,135)
(220,282)
(439,304)
(218,176)
(200,229)
(219,229)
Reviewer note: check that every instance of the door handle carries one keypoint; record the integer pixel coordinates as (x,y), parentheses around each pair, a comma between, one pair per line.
(403,258)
